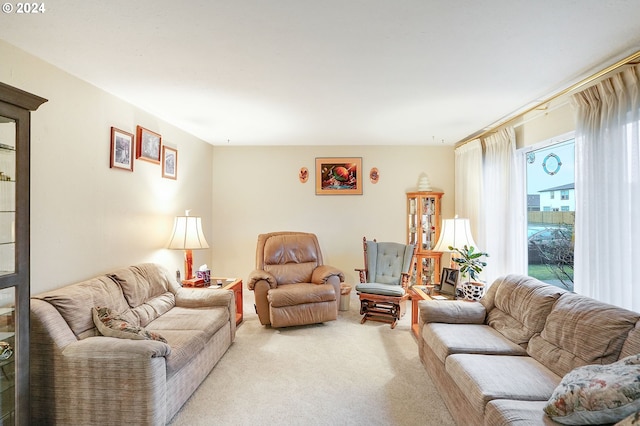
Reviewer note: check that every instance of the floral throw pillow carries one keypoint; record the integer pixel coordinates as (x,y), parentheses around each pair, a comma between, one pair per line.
(109,323)
(597,394)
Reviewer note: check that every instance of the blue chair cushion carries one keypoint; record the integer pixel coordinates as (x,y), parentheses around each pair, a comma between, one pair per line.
(380,289)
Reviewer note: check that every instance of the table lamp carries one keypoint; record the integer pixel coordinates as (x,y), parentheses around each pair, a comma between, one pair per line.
(456,233)
(187,235)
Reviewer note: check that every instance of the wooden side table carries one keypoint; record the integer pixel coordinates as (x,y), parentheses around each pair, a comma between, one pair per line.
(416,295)
(236,286)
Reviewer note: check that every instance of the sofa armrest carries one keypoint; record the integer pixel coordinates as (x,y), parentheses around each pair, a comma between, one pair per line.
(100,347)
(451,311)
(261,275)
(95,372)
(203,297)
(322,274)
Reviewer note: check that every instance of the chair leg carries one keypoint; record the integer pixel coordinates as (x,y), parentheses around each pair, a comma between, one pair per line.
(389,312)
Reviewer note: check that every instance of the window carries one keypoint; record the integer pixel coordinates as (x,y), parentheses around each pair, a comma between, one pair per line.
(550,169)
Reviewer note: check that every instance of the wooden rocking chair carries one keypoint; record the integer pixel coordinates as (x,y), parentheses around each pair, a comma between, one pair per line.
(384,280)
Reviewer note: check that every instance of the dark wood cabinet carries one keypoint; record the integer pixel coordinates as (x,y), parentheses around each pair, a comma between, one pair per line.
(15,114)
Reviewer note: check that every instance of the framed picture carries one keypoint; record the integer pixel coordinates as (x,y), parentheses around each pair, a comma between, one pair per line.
(121,149)
(339,176)
(169,162)
(449,281)
(149,144)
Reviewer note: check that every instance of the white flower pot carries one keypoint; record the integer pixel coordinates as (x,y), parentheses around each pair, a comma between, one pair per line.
(472,290)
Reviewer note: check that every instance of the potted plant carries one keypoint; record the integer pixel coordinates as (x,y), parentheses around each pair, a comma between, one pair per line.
(471,265)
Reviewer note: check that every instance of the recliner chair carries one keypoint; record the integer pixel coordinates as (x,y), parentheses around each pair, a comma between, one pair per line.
(291,284)
(384,280)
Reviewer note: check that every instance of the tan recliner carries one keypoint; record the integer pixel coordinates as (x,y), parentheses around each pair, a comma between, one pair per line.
(291,284)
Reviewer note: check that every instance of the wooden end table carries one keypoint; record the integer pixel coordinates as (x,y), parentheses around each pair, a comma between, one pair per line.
(234,284)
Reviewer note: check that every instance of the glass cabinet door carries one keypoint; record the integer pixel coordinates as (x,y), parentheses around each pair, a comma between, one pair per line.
(7,196)
(8,262)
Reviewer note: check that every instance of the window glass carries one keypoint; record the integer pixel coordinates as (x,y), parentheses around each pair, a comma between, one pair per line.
(550,219)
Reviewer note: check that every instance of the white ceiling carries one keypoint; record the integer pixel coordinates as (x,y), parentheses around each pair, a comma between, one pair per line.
(329,72)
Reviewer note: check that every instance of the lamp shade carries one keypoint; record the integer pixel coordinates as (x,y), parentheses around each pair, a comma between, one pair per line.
(187,234)
(455,233)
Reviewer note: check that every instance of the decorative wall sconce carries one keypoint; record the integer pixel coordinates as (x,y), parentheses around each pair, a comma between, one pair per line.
(374,175)
(303,175)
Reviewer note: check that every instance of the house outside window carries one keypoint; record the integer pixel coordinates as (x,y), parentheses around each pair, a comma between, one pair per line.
(550,229)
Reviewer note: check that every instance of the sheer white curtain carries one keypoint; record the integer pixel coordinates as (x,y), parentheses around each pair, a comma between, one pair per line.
(503,206)
(468,181)
(607,242)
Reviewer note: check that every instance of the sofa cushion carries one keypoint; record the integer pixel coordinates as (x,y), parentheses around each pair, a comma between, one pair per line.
(381,289)
(301,293)
(451,311)
(140,283)
(153,308)
(581,331)
(631,344)
(597,394)
(74,302)
(185,344)
(517,306)
(207,320)
(146,289)
(446,339)
(487,377)
(110,324)
(510,412)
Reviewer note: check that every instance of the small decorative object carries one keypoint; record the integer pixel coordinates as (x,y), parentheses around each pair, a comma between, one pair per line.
(448,281)
(339,176)
(303,175)
(6,351)
(424,184)
(374,175)
(204,273)
(121,149)
(470,266)
(169,162)
(551,160)
(148,145)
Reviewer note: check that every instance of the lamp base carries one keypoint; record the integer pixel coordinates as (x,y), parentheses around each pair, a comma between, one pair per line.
(188,264)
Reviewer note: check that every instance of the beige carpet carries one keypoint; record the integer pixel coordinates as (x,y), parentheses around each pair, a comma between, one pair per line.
(337,373)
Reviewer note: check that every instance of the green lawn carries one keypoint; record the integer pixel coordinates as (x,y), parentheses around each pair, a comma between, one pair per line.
(543,273)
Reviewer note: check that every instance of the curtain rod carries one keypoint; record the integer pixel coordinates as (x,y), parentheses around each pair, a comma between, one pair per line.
(569,89)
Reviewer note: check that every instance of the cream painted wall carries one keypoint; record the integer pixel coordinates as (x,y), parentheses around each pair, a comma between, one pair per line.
(87,219)
(256,190)
(546,126)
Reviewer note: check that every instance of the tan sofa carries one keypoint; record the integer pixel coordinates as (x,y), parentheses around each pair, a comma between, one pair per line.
(79,377)
(498,361)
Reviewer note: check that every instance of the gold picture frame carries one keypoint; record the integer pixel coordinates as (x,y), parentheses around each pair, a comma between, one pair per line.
(339,176)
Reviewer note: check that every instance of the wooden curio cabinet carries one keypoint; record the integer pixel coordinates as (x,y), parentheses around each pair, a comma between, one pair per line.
(423,230)
(15,107)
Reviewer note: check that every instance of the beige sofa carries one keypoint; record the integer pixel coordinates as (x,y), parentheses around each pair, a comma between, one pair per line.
(498,361)
(79,377)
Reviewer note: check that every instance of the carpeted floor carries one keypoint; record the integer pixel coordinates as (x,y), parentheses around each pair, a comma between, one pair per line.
(338,373)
